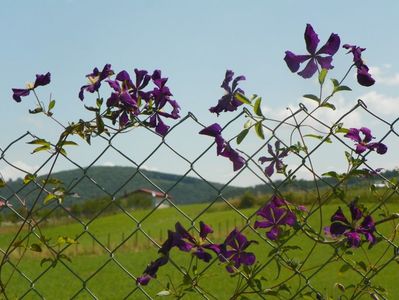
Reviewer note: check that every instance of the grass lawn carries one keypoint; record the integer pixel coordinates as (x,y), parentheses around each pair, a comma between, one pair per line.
(108,274)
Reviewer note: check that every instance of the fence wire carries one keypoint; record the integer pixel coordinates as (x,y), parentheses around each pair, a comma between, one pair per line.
(97,265)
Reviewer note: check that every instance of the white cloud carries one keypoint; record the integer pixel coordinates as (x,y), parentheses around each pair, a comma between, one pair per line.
(381,76)
(381,104)
(9,172)
(108,164)
(149,168)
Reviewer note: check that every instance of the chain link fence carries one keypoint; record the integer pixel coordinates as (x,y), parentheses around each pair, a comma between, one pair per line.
(53,249)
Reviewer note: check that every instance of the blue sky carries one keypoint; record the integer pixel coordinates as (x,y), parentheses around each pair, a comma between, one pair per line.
(193,43)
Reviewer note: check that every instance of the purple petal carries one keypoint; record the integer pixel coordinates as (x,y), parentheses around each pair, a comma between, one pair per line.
(161,128)
(353,239)
(353,134)
(325,62)
(212,130)
(293,61)
(288,219)
(42,79)
(114,85)
(263,224)
(338,216)
(360,148)
(123,119)
(269,170)
(247,258)
(205,230)
(367,134)
(202,255)
(309,70)
(364,77)
(331,46)
(274,233)
(18,93)
(356,213)
(338,228)
(311,39)
(144,280)
(227,78)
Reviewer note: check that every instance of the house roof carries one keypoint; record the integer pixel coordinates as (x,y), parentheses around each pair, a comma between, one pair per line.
(152,193)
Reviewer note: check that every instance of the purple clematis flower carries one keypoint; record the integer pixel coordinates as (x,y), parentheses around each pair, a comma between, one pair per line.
(223,148)
(41,80)
(151,271)
(363,76)
(233,251)
(95,78)
(363,144)
(322,57)
(161,96)
(183,240)
(229,102)
(275,215)
(275,160)
(352,230)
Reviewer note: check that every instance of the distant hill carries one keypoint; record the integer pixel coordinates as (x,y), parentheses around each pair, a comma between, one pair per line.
(102,181)
(115,181)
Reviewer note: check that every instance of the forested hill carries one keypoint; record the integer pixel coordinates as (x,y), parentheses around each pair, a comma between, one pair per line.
(115,180)
(118,181)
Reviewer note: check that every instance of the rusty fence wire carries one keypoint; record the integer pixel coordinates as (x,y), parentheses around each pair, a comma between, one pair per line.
(101,254)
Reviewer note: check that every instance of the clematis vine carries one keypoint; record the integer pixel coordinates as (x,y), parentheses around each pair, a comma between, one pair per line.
(315,58)
(41,80)
(151,271)
(223,148)
(352,230)
(95,78)
(363,76)
(275,159)
(363,142)
(229,102)
(275,215)
(233,251)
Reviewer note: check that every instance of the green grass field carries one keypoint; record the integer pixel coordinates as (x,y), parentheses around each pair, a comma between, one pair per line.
(108,276)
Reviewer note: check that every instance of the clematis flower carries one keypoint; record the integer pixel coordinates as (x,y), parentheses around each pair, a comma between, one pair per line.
(364,143)
(322,57)
(95,78)
(275,215)
(151,271)
(161,96)
(229,102)
(183,240)
(352,230)
(233,250)
(223,148)
(363,76)
(41,80)
(275,160)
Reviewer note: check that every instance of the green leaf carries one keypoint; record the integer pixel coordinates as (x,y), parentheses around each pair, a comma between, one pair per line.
(68,143)
(41,148)
(342,130)
(257,108)
(248,124)
(163,293)
(51,105)
(335,82)
(48,198)
(344,268)
(312,97)
(45,260)
(322,76)
(90,108)
(332,174)
(100,124)
(36,110)
(240,97)
(362,265)
(242,135)
(319,137)
(35,247)
(29,177)
(342,88)
(99,102)
(2,183)
(39,142)
(328,105)
(259,130)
